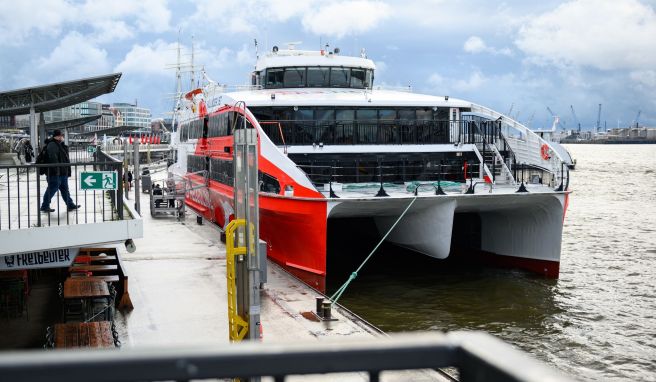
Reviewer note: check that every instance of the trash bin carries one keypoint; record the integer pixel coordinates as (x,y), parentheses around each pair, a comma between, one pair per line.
(146,183)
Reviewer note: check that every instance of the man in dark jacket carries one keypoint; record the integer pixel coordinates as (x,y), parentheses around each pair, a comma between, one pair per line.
(57,152)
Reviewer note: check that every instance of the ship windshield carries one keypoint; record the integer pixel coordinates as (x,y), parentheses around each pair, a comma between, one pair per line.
(320,76)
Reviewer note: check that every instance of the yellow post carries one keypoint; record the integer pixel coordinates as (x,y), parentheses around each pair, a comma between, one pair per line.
(238,327)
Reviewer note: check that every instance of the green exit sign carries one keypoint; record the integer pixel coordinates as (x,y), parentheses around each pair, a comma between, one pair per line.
(99,180)
(91,149)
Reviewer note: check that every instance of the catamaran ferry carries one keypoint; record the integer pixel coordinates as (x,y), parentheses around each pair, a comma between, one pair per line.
(333,147)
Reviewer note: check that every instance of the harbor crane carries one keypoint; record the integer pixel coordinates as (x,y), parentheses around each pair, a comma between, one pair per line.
(576,119)
(557,120)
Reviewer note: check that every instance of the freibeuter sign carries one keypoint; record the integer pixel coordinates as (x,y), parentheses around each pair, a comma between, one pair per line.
(53,258)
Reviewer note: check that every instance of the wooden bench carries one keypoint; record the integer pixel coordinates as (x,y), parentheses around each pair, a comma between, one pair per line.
(84,335)
(94,259)
(93,268)
(83,287)
(106,278)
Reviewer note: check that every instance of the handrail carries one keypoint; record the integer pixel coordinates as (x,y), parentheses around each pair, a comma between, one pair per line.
(531,154)
(477,356)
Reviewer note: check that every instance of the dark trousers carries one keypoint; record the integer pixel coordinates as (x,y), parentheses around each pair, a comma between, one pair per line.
(57,183)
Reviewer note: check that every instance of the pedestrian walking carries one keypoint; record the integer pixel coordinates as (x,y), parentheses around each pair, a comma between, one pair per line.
(57,152)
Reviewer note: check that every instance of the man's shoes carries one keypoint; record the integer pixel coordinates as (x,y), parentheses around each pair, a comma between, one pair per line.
(47,210)
(74,207)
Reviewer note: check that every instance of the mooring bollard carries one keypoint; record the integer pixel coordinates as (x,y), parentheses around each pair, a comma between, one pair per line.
(326,306)
(320,306)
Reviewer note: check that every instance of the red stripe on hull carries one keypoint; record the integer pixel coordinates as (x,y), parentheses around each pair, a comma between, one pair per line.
(547,268)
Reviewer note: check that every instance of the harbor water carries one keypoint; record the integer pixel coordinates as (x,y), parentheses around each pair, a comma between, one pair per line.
(596,322)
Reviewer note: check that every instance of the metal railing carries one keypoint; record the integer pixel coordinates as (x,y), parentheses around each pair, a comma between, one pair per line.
(476,356)
(385,171)
(22,190)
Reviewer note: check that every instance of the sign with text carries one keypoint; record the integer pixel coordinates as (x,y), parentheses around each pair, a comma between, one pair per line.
(99,180)
(52,258)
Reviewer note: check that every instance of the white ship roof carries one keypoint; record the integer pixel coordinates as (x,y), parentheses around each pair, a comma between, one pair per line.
(340,97)
(292,58)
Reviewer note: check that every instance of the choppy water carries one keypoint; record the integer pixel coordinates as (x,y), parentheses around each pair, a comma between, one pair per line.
(596,322)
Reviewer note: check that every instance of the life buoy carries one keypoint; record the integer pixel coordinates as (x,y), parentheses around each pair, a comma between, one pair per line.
(544,152)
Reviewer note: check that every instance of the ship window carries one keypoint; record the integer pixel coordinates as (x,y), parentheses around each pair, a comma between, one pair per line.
(367,126)
(344,126)
(387,129)
(318,77)
(294,77)
(325,120)
(340,77)
(369,81)
(274,77)
(222,171)
(268,183)
(358,78)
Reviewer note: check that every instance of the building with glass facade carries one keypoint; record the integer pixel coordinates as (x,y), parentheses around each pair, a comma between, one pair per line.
(132,115)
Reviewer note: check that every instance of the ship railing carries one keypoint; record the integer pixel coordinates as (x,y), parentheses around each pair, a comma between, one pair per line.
(369,132)
(22,190)
(474,356)
(527,146)
(390,172)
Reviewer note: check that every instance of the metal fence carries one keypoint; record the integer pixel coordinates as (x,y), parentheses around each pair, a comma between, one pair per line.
(476,356)
(22,190)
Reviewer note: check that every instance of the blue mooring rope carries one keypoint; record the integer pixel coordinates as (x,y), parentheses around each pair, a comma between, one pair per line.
(338,292)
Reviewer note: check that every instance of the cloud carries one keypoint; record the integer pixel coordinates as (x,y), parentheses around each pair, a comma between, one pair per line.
(74,57)
(475,44)
(476,80)
(606,35)
(20,19)
(346,17)
(151,16)
(149,59)
(160,57)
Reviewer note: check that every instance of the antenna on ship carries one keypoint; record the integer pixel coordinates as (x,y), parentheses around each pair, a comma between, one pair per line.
(257,55)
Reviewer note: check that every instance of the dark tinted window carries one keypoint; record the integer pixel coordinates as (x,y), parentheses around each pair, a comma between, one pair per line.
(222,171)
(294,78)
(340,77)
(318,77)
(358,78)
(269,183)
(274,77)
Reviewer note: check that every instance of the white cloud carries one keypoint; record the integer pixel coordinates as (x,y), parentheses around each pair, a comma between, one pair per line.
(343,18)
(149,59)
(74,57)
(147,15)
(607,35)
(108,31)
(19,19)
(475,44)
(158,57)
(246,55)
(476,80)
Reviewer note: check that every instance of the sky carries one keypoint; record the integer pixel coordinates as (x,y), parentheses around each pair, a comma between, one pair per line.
(517,57)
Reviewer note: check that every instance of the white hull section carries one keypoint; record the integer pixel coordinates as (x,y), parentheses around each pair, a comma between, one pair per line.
(427,230)
(518,225)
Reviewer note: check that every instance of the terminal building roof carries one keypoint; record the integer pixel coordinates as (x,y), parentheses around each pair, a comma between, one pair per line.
(56,96)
